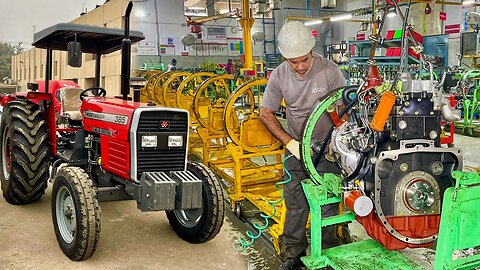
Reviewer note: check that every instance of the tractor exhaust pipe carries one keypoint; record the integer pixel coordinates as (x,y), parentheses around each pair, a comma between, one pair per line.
(126,54)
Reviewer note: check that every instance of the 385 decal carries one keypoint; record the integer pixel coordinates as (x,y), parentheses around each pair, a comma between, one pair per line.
(107,117)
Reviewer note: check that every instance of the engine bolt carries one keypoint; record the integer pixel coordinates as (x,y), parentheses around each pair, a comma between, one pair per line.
(404,167)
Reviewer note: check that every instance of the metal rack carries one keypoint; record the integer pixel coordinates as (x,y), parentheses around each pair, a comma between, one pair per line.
(387,64)
(271,59)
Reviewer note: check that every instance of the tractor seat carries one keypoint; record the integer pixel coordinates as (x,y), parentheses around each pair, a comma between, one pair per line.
(71,103)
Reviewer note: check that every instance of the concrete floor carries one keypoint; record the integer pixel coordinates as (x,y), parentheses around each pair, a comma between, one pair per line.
(131,239)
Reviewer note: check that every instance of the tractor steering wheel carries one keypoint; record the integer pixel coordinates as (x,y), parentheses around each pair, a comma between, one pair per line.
(100,93)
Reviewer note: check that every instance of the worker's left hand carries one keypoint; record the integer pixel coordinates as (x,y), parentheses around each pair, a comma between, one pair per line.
(294,147)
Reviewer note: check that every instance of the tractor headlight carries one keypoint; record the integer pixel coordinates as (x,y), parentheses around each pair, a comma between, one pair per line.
(175,141)
(149,141)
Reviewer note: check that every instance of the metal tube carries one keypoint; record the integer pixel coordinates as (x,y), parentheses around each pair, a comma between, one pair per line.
(308,8)
(317,9)
(48,68)
(158,31)
(374,16)
(247,23)
(97,68)
(126,55)
(374,45)
(296,18)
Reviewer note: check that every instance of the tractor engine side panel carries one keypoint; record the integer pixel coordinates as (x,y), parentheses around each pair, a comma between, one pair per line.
(111,119)
(115,156)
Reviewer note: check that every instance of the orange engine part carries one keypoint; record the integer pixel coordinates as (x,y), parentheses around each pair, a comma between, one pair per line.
(410,226)
(383,111)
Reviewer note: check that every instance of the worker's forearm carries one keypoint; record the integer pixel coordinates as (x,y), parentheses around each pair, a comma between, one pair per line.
(274,126)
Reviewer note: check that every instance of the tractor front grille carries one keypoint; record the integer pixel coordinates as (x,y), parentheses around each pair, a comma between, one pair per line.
(162,124)
(150,121)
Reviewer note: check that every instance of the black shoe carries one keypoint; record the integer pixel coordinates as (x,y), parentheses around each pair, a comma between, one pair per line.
(291,264)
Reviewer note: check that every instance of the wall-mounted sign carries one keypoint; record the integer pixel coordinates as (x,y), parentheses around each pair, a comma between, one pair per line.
(443,16)
(452,29)
(215,33)
(235,46)
(147,48)
(167,49)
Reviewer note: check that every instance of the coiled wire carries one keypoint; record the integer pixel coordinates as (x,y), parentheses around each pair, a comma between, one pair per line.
(243,243)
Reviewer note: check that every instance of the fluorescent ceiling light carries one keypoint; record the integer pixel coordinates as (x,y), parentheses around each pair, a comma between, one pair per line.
(140,13)
(195,14)
(196,8)
(310,23)
(468,2)
(392,13)
(341,17)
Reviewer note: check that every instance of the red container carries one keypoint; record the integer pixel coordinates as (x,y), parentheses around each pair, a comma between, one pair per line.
(390,34)
(413,54)
(390,52)
(417,37)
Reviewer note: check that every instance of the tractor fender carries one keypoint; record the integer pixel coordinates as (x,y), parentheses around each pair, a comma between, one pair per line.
(31,95)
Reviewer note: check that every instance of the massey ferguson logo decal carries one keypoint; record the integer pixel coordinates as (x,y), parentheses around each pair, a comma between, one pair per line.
(164,124)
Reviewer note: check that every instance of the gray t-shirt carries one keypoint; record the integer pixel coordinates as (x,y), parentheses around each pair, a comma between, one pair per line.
(301,95)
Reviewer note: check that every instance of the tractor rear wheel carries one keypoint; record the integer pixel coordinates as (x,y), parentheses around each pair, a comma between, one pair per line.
(75,213)
(24,158)
(202,224)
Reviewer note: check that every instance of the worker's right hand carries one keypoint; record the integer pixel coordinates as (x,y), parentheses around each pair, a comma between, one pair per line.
(294,147)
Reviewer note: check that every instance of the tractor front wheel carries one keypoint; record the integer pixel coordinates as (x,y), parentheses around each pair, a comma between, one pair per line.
(24,156)
(202,224)
(75,213)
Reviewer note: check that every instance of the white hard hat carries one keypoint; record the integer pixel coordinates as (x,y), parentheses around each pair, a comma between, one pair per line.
(295,40)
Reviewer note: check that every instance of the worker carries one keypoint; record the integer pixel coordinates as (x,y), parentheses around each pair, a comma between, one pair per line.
(172,65)
(229,66)
(302,80)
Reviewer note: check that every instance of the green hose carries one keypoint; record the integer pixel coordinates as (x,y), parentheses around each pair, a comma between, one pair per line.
(260,228)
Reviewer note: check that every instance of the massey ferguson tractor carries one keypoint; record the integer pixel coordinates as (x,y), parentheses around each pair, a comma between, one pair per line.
(96,148)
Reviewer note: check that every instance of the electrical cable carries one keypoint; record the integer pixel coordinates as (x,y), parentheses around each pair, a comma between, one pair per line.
(244,243)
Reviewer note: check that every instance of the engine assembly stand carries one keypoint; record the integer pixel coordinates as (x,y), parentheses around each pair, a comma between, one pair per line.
(458,222)
(357,255)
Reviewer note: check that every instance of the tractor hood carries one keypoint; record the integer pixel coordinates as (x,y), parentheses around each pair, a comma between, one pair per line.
(108,116)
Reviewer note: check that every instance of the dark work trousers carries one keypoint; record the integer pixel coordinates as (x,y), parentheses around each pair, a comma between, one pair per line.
(294,236)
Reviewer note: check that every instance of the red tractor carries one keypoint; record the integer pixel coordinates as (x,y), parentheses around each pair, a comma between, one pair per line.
(96,148)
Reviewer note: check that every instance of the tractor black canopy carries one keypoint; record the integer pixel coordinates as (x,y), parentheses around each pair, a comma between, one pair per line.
(94,39)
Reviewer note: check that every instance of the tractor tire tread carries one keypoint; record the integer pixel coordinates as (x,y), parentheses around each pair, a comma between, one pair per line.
(29,152)
(212,218)
(89,209)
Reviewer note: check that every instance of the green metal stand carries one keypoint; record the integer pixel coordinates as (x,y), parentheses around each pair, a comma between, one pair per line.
(363,255)
(460,224)
(457,246)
